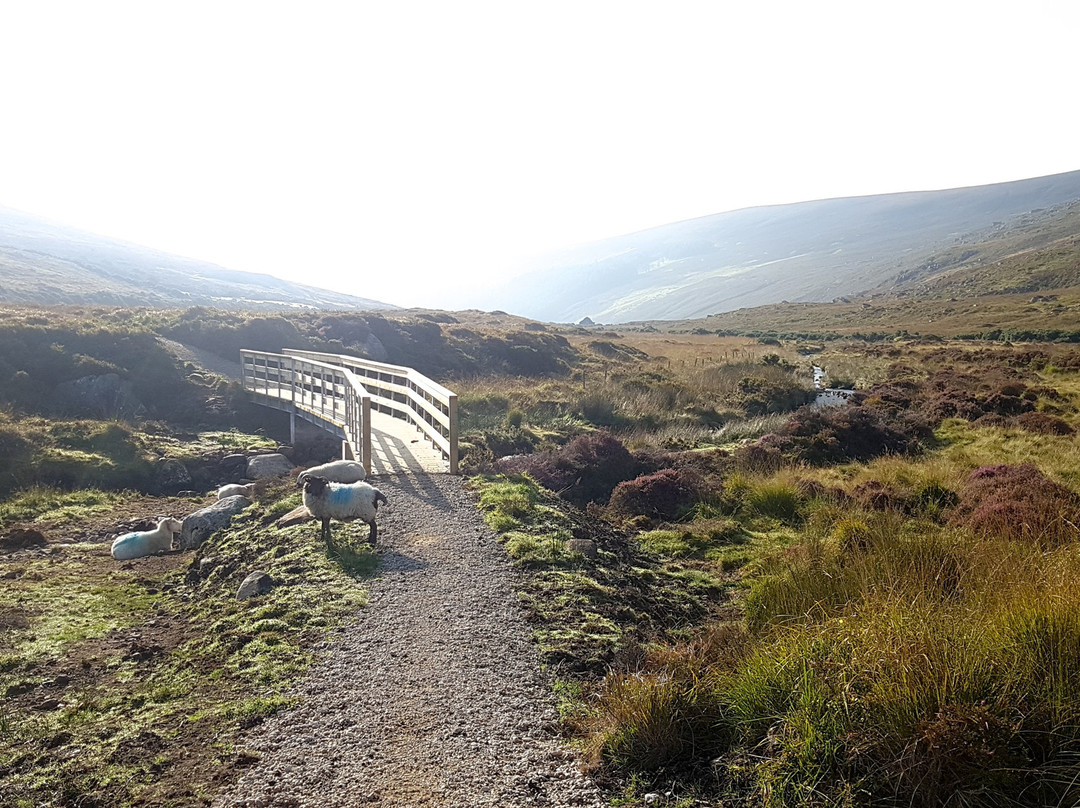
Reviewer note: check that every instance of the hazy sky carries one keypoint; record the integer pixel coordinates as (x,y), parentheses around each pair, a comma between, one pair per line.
(407,150)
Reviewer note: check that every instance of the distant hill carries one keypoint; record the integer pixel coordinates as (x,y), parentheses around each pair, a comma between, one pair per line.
(805,252)
(45,263)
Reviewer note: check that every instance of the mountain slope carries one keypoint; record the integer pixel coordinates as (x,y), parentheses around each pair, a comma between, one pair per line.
(809,251)
(46,263)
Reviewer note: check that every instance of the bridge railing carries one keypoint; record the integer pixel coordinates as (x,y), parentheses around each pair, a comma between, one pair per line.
(403,393)
(328,392)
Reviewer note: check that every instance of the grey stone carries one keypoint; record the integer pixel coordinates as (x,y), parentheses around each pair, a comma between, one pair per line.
(267,465)
(199,526)
(233,463)
(171,475)
(257,583)
(587,547)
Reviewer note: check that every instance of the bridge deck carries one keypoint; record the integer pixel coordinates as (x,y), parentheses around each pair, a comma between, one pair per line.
(398,446)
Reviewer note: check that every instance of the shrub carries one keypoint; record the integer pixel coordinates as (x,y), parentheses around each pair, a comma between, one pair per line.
(665,495)
(875,495)
(1042,424)
(585,470)
(1018,503)
(837,435)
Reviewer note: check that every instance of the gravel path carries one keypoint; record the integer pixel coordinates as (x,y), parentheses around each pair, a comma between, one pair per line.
(433,696)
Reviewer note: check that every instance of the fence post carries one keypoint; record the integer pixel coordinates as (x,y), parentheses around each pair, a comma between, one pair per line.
(365,430)
(453,436)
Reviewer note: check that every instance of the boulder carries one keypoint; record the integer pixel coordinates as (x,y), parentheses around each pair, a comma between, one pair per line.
(257,583)
(170,475)
(199,526)
(233,465)
(267,465)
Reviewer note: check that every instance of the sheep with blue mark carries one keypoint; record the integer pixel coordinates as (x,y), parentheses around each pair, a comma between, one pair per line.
(146,542)
(341,501)
(336,471)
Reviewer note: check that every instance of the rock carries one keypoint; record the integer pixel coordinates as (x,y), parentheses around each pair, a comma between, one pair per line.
(586,547)
(199,526)
(286,451)
(233,464)
(267,465)
(295,517)
(20,539)
(207,564)
(47,705)
(257,583)
(652,798)
(171,475)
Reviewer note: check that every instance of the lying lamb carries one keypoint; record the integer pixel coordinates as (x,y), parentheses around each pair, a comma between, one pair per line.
(342,501)
(336,471)
(146,542)
(235,489)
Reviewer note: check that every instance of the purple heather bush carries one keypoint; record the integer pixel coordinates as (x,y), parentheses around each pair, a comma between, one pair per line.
(1018,503)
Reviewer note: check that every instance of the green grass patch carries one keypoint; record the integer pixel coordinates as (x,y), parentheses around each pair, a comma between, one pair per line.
(159,662)
(53,504)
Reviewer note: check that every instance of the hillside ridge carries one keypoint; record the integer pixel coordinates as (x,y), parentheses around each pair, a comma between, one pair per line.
(45,263)
(814,251)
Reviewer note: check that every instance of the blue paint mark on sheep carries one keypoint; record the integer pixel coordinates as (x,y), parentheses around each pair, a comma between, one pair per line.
(339,496)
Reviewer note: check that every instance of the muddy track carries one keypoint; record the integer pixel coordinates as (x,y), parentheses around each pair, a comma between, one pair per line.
(433,696)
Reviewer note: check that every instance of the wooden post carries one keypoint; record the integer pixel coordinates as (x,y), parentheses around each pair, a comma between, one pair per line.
(365,432)
(452,415)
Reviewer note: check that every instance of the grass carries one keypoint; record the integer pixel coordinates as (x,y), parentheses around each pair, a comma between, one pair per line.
(882,655)
(161,657)
(52,504)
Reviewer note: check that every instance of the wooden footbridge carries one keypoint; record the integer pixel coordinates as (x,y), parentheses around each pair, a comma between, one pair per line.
(390,418)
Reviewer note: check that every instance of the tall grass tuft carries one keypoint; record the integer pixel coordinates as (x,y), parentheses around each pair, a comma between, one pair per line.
(889,660)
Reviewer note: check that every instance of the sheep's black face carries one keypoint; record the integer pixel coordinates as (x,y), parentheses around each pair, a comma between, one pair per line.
(315,485)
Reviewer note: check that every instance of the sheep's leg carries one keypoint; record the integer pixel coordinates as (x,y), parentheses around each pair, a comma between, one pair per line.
(326,537)
(373,535)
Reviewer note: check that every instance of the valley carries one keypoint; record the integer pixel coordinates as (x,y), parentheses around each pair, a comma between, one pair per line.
(729,597)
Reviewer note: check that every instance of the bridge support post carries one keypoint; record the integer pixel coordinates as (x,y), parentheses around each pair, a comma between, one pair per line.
(365,433)
(453,436)
(292,428)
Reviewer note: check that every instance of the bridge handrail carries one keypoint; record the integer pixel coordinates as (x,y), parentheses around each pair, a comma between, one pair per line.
(303,382)
(405,393)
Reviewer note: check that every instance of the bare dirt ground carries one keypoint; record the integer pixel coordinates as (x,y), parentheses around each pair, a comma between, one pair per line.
(434,695)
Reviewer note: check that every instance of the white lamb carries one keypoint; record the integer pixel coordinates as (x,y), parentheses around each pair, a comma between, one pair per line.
(146,542)
(342,501)
(336,471)
(235,489)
